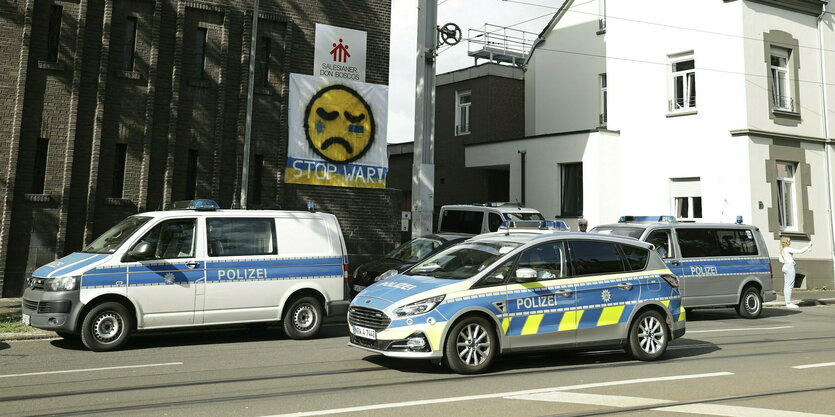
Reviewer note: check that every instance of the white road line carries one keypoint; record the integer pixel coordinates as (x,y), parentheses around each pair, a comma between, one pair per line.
(94,369)
(747,329)
(735,411)
(814,365)
(591,399)
(496,395)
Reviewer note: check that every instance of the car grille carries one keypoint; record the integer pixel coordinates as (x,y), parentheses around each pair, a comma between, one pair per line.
(47,306)
(368,317)
(372,344)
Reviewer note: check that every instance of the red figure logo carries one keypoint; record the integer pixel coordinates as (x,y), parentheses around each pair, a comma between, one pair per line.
(340,52)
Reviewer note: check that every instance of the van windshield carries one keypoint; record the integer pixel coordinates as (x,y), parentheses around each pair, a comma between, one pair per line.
(635,232)
(414,250)
(113,238)
(462,261)
(523,216)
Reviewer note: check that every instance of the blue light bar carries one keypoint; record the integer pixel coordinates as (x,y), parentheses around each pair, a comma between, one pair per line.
(198,205)
(535,224)
(624,219)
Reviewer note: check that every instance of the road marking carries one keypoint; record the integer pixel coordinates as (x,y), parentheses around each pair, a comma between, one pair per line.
(735,411)
(94,369)
(497,395)
(590,399)
(747,329)
(814,365)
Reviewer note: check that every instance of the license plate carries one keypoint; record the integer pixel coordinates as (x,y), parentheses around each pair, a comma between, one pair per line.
(359,288)
(365,333)
(26,319)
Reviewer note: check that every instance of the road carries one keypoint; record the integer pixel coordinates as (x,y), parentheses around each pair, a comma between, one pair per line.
(782,364)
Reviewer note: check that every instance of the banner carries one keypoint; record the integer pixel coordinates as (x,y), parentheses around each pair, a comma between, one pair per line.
(339,53)
(337,133)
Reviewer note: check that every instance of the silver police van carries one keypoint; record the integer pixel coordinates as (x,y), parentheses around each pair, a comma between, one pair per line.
(195,266)
(519,291)
(719,265)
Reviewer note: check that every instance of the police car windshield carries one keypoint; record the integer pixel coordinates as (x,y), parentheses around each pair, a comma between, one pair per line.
(463,260)
(619,231)
(113,238)
(523,216)
(414,250)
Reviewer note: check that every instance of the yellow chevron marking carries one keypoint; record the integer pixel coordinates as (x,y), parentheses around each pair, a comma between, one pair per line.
(532,285)
(570,320)
(681,315)
(666,303)
(532,324)
(610,315)
(506,324)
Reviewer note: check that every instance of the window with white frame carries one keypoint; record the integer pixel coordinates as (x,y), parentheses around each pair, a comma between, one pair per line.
(683,83)
(781,96)
(462,112)
(603,100)
(787,195)
(687,198)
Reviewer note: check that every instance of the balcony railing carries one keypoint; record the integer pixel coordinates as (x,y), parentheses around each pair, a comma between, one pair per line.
(783,103)
(500,44)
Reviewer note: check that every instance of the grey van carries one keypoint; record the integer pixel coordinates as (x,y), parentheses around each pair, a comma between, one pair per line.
(719,265)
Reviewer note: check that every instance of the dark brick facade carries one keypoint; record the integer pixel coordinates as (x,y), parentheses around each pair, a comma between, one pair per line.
(93,103)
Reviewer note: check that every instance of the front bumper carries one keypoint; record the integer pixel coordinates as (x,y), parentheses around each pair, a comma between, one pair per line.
(52,310)
(392,348)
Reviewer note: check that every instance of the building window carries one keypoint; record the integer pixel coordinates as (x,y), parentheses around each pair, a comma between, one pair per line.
(462,112)
(603,100)
(129,47)
(687,198)
(571,189)
(781,95)
(264,57)
(200,53)
(786,195)
(119,170)
(191,174)
(39,174)
(56,14)
(257,178)
(683,82)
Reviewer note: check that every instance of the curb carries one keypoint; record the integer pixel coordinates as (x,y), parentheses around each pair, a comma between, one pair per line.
(27,336)
(803,302)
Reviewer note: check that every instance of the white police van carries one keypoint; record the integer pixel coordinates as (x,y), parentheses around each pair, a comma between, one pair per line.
(482,218)
(195,266)
(522,291)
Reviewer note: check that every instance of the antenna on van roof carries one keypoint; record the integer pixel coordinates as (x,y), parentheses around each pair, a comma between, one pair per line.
(311,207)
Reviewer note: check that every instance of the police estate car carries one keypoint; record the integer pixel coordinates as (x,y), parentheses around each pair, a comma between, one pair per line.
(513,291)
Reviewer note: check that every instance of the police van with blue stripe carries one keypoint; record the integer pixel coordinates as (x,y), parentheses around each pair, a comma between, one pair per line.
(718,264)
(194,266)
(518,291)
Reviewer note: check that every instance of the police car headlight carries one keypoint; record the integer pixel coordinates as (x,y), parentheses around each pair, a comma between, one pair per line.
(384,275)
(61,284)
(419,307)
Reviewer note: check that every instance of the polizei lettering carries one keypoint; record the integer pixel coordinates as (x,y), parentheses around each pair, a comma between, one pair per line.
(703,270)
(247,273)
(536,302)
(401,285)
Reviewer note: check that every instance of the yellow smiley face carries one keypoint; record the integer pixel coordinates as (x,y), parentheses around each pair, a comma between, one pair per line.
(338,124)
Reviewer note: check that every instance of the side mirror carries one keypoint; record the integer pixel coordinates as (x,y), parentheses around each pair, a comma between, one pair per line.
(525,275)
(142,251)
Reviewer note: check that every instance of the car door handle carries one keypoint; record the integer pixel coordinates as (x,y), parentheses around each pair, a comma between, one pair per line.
(564,293)
(192,264)
(625,286)
(675,263)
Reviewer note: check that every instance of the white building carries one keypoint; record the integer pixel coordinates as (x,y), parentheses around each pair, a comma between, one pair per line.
(616,126)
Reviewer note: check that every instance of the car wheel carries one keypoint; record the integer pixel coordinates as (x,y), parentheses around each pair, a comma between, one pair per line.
(106,327)
(471,346)
(750,304)
(648,336)
(303,319)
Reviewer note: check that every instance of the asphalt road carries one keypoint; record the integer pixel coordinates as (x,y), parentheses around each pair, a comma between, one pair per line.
(782,364)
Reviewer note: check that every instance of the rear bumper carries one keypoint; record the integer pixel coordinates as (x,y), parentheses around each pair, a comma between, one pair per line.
(337,309)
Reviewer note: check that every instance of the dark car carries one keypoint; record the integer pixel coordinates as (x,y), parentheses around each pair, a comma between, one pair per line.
(400,259)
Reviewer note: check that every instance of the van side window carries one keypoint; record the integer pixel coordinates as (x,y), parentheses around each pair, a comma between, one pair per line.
(240,236)
(170,239)
(546,260)
(662,241)
(736,242)
(462,221)
(636,257)
(697,243)
(595,258)
(494,221)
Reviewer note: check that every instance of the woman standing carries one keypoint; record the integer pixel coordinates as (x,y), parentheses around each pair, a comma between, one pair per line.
(786,256)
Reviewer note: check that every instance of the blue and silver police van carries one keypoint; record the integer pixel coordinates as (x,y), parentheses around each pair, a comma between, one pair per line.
(718,264)
(194,266)
(518,291)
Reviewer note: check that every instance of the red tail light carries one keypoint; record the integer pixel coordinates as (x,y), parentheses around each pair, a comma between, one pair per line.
(671,279)
(770,272)
(345,273)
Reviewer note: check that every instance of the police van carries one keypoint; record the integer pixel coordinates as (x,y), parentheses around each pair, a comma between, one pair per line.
(195,266)
(719,264)
(482,218)
(519,291)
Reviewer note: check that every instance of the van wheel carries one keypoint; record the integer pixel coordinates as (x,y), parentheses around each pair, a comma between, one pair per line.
(303,319)
(648,336)
(471,346)
(106,327)
(750,304)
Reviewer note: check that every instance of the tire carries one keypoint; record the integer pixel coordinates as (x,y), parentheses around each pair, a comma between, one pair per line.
(303,319)
(750,303)
(471,346)
(648,336)
(106,327)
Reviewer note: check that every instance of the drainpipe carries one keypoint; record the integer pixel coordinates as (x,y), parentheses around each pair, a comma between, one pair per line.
(523,153)
(827,146)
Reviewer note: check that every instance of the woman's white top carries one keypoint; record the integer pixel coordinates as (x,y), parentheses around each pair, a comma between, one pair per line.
(787,254)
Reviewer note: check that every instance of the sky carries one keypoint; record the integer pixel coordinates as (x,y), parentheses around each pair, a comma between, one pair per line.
(527,15)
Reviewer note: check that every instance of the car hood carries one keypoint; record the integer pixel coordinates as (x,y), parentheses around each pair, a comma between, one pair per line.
(73,264)
(407,288)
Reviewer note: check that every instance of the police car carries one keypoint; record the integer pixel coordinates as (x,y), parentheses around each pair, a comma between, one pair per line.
(194,266)
(513,291)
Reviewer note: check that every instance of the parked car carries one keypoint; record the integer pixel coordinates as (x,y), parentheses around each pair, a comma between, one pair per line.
(719,265)
(401,258)
(482,218)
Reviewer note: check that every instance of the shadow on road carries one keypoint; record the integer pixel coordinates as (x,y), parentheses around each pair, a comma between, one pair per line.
(4,345)
(712,314)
